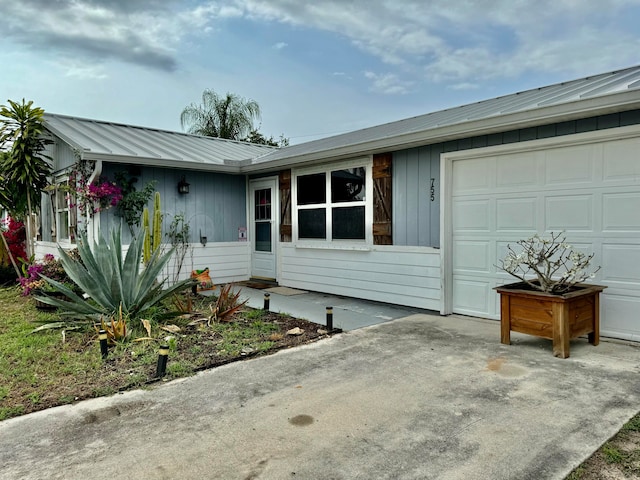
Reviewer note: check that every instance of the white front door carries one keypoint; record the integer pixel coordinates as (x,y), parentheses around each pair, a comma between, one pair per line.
(263,227)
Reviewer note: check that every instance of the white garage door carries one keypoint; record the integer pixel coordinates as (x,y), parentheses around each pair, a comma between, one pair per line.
(590,188)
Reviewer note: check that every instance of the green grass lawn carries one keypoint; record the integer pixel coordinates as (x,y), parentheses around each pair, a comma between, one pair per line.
(58,366)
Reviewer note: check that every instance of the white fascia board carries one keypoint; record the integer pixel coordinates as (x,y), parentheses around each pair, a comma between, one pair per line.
(500,123)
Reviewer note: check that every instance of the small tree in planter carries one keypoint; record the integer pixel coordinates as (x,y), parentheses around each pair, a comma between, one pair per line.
(557,267)
(554,303)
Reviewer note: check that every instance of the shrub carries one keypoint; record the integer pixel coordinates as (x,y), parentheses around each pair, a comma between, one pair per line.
(34,274)
(16,237)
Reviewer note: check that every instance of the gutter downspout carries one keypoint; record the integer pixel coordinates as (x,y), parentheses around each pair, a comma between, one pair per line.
(93,222)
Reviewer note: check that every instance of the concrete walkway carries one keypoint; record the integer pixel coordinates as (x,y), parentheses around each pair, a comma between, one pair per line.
(348,313)
(423,397)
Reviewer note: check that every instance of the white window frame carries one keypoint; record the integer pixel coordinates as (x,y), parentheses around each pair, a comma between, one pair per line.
(327,168)
(71,213)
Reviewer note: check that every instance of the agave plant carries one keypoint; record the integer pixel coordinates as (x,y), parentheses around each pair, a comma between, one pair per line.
(227,304)
(112,281)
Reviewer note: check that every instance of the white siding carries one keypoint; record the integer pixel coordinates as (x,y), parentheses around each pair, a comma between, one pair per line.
(401,275)
(227,261)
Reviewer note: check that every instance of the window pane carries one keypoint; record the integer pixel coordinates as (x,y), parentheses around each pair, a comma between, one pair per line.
(312,189)
(61,200)
(348,185)
(312,223)
(263,236)
(348,223)
(63,225)
(263,204)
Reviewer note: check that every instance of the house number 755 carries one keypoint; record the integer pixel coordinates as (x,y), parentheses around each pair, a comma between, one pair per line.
(432,190)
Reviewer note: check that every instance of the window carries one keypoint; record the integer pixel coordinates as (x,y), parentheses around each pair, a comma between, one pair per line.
(65,213)
(262,202)
(332,204)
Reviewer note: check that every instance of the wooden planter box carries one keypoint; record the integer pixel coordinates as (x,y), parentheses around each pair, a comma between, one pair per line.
(556,317)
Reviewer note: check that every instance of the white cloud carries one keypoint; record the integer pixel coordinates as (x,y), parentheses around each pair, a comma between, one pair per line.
(387,83)
(440,41)
(141,32)
(470,41)
(280,45)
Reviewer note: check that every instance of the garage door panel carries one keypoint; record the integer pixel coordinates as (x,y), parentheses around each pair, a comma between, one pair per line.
(622,264)
(516,171)
(621,212)
(472,296)
(569,166)
(471,215)
(516,214)
(620,317)
(472,256)
(622,165)
(473,175)
(569,212)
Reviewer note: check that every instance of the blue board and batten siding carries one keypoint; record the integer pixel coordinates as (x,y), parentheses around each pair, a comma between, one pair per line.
(416,218)
(409,271)
(215,206)
(416,197)
(63,153)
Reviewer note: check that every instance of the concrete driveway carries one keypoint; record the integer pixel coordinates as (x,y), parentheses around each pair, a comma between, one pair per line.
(417,398)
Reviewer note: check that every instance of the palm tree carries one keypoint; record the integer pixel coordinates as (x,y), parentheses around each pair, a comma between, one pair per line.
(229,117)
(24,166)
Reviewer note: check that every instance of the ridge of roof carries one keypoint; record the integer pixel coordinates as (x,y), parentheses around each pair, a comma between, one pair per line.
(154,129)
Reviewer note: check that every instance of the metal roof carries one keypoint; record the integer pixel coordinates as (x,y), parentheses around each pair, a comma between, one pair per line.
(595,95)
(604,93)
(125,143)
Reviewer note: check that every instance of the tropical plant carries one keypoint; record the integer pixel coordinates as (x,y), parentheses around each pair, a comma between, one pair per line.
(132,203)
(229,116)
(227,304)
(556,266)
(116,328)
(95,197)
(25,168)
(112,281)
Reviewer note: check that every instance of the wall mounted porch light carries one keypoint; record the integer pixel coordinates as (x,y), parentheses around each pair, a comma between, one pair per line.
(183,186)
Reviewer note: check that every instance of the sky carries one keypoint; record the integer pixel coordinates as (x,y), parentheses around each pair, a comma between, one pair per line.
(316,68)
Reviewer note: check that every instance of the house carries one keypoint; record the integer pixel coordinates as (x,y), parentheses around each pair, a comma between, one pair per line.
(415,212)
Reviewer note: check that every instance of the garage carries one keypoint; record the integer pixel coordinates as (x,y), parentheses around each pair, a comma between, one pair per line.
(585,184)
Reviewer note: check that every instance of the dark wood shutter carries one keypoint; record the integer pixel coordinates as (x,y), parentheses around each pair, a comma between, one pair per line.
(382,226)
(285,205)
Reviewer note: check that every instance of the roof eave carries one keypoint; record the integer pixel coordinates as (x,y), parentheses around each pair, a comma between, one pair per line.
(167,163)
(553,114)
